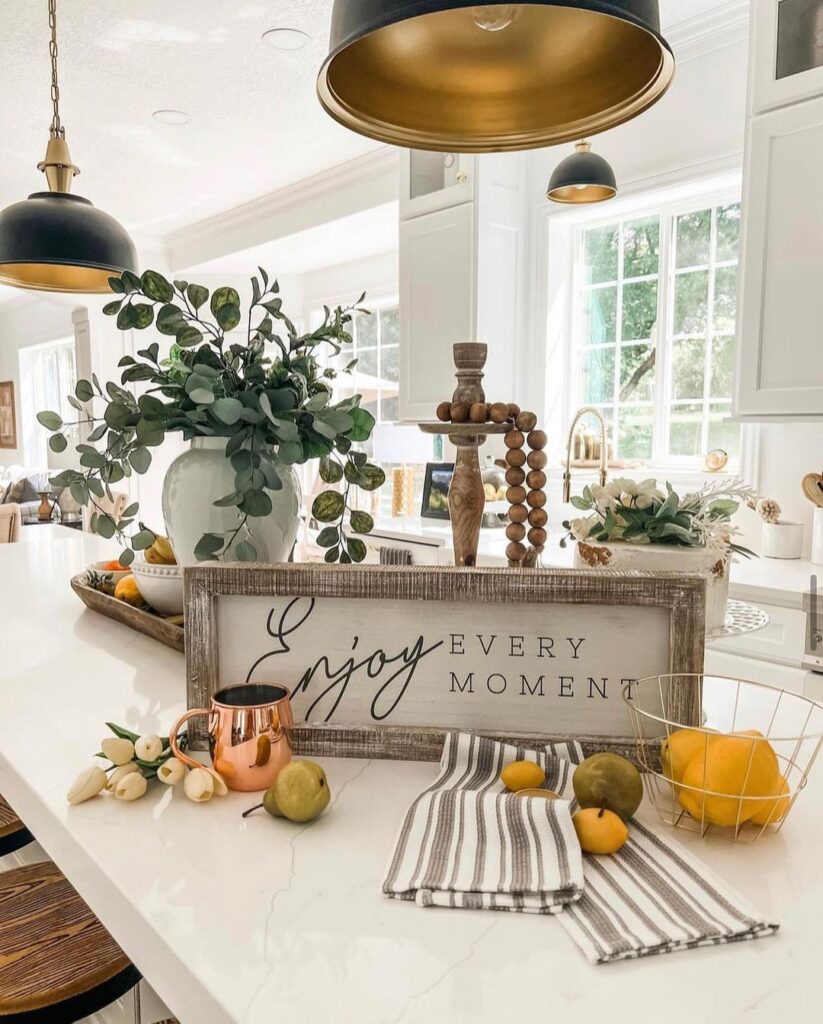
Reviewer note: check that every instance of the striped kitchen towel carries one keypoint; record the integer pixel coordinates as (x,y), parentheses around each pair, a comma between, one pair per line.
(459,846)
(467,842)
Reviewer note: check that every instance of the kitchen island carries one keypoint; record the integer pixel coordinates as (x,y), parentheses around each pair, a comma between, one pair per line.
(255,920)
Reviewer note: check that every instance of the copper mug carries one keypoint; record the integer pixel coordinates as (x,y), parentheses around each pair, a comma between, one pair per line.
(249,734)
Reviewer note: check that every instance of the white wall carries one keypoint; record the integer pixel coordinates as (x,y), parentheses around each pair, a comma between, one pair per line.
(377,275)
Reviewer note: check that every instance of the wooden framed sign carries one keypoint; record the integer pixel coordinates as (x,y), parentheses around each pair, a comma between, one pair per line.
(381,661)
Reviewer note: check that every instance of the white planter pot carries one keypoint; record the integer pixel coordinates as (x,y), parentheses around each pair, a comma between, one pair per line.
(199,477)
(782,540)
(710,562)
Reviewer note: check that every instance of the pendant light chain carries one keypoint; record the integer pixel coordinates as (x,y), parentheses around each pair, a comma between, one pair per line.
(57,130)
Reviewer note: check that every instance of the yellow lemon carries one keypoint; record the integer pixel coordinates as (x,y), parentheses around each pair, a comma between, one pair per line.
(127,590)
(678,749)
(522,775)
(769,812)
(728,768)
(599,830)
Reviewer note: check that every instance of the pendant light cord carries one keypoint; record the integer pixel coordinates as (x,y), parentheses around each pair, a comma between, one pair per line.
(57,130)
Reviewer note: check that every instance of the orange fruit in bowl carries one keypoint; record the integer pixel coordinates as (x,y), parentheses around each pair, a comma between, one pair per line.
(128,591)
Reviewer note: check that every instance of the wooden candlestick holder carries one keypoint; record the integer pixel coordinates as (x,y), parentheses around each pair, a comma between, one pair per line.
(466,496)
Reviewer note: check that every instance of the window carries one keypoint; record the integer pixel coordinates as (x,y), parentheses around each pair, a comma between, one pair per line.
(47,376)
(654,331)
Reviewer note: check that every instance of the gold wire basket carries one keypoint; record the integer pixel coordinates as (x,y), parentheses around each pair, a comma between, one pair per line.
(737,767)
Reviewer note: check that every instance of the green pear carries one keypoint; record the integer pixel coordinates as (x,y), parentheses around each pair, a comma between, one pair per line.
(300,793)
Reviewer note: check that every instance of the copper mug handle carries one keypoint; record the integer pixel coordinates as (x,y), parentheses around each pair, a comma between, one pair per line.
(175,729)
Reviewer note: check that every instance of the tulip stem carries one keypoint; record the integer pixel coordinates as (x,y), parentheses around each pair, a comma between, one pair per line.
(249,811)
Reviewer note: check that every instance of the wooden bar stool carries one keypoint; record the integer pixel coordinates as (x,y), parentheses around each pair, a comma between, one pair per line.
(58,963)
(13,833)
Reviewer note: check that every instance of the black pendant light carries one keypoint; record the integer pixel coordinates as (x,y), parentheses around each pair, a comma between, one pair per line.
(583,177)
(53,240)
(448,75)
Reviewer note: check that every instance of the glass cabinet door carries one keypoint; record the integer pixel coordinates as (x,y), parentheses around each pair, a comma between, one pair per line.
(434,181)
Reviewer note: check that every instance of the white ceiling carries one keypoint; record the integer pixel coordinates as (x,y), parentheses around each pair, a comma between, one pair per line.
(256,124)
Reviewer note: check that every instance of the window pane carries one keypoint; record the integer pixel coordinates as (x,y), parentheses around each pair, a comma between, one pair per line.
(367,361)
(691,298)
(390,326)
(725,298)
(600,247)
(635,432)
(722,434)
(728,231)
(722,361)
(637,373)
(600,310)
(598,375)
(688,368)
(365,329)
(694,235)
(686,424)
(639,310)
(389,363)
(641,247)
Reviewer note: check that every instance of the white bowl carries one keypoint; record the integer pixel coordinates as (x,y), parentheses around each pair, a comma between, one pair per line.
(161,586)
(115,575)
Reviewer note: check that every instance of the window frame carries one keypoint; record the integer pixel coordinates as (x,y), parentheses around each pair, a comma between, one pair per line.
(668,209)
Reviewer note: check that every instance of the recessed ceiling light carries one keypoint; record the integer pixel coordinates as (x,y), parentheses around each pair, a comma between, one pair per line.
(171,116)
(285,38)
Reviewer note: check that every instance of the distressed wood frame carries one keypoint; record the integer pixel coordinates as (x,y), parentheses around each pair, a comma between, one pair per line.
(681,594)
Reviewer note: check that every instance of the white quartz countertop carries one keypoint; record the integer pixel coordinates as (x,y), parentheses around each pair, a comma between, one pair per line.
(253,921)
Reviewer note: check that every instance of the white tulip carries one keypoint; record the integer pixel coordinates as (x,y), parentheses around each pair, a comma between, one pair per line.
(199,785)
(623,485)
(220,787)
(119,773)
(581,528)
(116,750)
(149,747)
(172,771)
(131,786)
(86,785)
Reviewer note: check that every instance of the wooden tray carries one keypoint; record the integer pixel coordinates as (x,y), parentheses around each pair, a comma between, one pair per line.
(143,621)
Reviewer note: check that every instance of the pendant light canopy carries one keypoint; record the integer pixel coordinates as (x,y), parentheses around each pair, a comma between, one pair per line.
(448,75)
(583,177)
(53,240)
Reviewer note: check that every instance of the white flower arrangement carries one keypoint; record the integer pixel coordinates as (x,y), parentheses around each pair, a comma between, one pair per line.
(640,512)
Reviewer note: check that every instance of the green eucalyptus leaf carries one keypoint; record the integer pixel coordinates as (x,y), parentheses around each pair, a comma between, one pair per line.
(130,510)
(245,551)
(256,503)
(228,316)
(363,424)
(187,336)
(126,318)
(202,396)
(93,460)
(50,420)
(328,506)
(140,460)
(330,470)
(328,537)
(58,443)
(79,491)
(580,503)
(156,287)
(131,281)
(323,429)
(208,546)
(332,554)
(371,477)
(105,526)
(116,285)
(317,402)
(83,390)
(223,297)
(361,522)
(143,540)
(270,475)
(169,319)
(356,549)
(149,432)
(290,452)
(111,308)
(143,315)
(345,559)
(227,410)
(126,557)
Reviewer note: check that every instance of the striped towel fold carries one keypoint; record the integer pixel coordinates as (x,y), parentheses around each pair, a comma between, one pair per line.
(467,843)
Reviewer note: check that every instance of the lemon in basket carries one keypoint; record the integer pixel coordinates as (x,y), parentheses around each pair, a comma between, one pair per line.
(678,749)
(726,770)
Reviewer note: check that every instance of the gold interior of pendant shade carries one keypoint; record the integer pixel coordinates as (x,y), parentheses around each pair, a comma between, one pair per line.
(56,277)
(439,82)
(587,194)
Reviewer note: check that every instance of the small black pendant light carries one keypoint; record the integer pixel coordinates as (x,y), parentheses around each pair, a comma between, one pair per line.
(448,75)
(583,177)
(53,240)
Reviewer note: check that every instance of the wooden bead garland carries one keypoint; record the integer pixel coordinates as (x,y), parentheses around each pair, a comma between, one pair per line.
(524,433)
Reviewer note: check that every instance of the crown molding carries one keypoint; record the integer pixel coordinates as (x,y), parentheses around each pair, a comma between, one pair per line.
(724,26)
(356,185)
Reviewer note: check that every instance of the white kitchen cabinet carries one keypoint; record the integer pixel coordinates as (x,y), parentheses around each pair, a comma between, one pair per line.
(722,663)
(461,279)
(435,181)
(779,370)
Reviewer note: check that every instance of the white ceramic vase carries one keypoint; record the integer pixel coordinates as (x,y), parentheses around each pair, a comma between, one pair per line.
(710,562)
(199,477)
